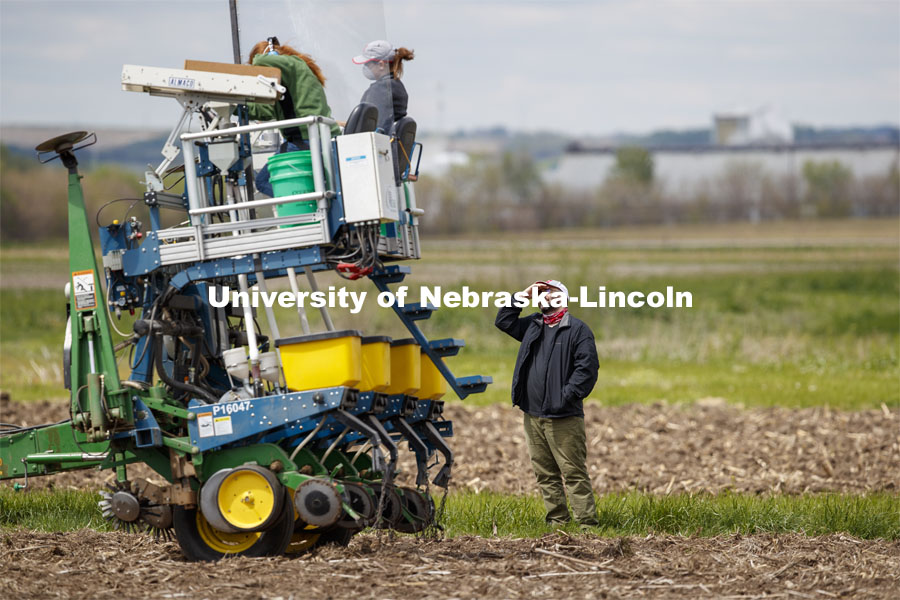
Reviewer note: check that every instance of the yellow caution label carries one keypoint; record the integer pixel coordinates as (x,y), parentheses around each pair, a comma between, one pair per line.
(84,290)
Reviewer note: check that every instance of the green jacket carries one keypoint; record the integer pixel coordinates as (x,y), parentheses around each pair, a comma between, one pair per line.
(305,90)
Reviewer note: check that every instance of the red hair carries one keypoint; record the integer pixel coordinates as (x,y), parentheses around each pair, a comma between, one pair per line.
(261,48)
(400,54)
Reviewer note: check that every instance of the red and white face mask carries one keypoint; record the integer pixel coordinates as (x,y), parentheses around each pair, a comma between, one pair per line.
(554,319)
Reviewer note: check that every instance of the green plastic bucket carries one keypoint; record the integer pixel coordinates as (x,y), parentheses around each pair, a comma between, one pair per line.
(290,173)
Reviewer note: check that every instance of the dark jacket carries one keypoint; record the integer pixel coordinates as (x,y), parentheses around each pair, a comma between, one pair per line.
(390,97)
(573,367)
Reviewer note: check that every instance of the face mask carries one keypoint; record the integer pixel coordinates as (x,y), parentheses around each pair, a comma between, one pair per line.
(372,70)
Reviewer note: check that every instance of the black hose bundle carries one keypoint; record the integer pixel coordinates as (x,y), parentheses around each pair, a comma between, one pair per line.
(194,390)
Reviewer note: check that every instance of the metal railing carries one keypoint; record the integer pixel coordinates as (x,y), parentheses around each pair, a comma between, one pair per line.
(314,127)
(194,242)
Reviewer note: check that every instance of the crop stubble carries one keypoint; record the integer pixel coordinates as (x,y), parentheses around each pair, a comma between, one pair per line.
(90,564)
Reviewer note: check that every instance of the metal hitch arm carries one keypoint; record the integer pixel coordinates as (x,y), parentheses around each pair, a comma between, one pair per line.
(391,446)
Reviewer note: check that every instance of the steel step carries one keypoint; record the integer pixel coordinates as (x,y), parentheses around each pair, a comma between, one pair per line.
(446,346)
(417,311)
(392,273)
(474,384)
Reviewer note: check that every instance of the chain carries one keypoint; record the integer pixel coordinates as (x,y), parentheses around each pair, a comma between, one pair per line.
(434,530)
(379,511)
(426,529)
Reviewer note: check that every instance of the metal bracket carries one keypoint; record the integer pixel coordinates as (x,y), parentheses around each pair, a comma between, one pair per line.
(371,434)
(442,479)
(417,445)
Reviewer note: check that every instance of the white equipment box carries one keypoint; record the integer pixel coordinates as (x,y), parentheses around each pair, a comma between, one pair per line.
(367,178)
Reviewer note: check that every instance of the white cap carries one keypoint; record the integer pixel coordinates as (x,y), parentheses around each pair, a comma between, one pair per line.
(377,50)
(558,285)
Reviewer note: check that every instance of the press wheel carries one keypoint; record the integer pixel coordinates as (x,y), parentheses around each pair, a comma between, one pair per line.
(242,500)
(200,541)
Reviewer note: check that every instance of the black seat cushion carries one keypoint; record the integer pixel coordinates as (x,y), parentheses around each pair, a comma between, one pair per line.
(363,118)
(404,135)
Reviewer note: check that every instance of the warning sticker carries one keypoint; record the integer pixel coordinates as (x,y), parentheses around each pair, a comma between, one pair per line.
(205,424)
(223,426)
(83,289)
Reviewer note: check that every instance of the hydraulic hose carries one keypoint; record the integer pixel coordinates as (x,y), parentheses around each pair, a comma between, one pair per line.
(180,385)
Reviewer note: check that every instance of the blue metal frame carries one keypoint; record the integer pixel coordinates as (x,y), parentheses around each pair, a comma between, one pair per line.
(290,414)
(277,418)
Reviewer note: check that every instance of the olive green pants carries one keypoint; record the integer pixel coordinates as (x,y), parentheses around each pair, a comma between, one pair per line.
(558,450)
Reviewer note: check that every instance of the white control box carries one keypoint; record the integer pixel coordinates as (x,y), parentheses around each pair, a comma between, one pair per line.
(367,177)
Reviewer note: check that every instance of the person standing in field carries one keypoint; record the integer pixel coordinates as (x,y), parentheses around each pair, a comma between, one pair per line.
(556,369)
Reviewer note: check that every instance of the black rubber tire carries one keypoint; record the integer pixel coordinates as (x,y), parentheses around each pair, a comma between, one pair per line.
(339,536)
(272,542)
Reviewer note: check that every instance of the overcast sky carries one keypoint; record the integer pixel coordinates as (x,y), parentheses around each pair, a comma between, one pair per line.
(575,67)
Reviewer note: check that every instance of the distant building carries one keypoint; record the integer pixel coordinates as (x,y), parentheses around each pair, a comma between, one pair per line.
(741,127)
(730,129)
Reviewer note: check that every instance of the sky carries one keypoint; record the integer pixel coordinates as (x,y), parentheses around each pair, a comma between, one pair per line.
(578,68)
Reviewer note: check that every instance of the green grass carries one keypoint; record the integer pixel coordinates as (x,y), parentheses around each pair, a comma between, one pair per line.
(788,385)
(50,510)
(871,516)
(469,513)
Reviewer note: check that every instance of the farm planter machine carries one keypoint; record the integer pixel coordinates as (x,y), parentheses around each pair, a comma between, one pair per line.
(265,445)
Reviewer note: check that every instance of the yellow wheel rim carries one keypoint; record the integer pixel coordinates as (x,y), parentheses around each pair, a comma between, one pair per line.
(245,499)
(225,543)
(301,541)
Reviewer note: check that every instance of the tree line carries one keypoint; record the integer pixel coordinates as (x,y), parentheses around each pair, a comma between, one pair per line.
(508,193)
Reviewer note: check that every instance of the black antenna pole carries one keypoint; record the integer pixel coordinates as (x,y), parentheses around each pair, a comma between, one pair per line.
(235,35)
